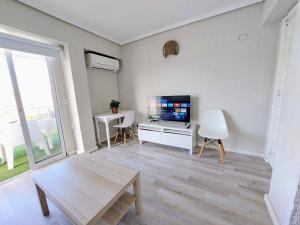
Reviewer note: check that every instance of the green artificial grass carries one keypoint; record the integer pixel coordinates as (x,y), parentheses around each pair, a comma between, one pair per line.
(39,155)
(21,163)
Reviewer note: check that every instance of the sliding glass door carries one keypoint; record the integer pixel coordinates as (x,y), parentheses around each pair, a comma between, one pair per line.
(35,95)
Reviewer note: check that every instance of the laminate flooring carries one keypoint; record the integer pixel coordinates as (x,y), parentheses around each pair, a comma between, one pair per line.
(177,189)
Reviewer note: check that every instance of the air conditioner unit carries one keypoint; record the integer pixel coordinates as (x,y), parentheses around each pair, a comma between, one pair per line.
(94,61)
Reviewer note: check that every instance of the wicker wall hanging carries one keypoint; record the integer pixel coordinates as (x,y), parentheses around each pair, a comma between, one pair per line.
(170,48)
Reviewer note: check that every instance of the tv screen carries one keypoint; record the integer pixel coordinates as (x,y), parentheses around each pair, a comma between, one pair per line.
(170,108)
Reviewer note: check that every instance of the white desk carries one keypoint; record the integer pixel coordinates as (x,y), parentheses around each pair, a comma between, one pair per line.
(106,118)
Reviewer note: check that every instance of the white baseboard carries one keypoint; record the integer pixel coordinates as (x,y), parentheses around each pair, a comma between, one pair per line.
(72,153)
(82,151)
(93,149)
(104,139)
(271,210)
(261,155)
(247,153)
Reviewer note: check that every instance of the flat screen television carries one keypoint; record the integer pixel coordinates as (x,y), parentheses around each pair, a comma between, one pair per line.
(170,108)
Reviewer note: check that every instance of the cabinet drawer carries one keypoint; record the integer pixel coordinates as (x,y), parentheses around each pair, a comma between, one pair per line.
(177,140)
(150,135)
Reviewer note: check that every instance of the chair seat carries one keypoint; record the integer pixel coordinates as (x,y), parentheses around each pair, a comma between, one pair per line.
(120,126)
(212,134)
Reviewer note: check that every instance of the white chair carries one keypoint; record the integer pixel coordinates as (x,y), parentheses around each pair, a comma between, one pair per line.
(213,128)
(126,125)
(10,137)
(37,136)
(48,126)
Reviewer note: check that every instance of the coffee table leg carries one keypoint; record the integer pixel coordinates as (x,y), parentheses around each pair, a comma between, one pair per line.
(43,200)
(137,194)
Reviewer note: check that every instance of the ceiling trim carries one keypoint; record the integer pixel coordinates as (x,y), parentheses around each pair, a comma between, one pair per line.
(193,20)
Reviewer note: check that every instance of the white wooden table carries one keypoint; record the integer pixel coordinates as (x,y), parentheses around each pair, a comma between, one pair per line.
(89,189)
(106,118)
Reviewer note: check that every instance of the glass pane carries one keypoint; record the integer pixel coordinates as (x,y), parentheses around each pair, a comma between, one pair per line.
(35,90)
(13,155)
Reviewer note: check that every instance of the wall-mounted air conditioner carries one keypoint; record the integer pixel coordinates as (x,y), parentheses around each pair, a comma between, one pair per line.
(94,61)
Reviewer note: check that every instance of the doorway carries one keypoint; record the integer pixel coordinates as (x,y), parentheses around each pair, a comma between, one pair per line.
(30,126)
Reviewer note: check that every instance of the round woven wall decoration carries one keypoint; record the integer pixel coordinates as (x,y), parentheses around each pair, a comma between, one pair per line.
(170,48)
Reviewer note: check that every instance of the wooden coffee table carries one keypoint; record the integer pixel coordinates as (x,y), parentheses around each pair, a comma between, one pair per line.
(89,189)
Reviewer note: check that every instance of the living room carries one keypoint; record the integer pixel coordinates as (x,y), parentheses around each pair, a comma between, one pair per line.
(174,112)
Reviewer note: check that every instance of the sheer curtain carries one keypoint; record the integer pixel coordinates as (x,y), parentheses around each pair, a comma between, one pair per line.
(295,217)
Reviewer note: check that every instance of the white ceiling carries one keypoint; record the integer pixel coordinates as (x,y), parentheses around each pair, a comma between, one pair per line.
(124,21)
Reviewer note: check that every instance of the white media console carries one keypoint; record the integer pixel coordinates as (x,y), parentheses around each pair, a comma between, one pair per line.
(168,133)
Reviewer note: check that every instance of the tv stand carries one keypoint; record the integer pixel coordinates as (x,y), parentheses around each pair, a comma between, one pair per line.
(168,133)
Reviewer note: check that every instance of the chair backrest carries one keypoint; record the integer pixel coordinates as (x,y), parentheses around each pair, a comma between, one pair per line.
(47,125)
(12,134)
(214,122)
(129,118)
(35,132)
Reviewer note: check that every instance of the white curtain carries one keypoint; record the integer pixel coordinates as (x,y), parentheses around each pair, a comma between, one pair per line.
(295,218)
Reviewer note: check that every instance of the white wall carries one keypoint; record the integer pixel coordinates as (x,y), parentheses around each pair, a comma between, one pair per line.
(275,10)
(103,87)
(75,40)
(286,169)
(213,66)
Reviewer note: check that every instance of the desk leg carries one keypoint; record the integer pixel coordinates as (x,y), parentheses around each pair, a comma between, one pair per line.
(137,194)
(43,200)
(97,133)
(107,134)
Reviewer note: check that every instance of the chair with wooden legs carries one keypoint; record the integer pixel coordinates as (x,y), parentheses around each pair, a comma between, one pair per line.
(213,128)
(126,126)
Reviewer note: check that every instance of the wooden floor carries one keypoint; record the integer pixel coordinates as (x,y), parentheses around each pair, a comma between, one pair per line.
(177,189)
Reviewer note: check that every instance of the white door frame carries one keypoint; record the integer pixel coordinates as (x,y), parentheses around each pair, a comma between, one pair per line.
(16,90)
(21,112)
(277,93)
(54,93)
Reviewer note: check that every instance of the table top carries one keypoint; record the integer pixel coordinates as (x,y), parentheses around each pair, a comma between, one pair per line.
(110,115)
(84,186)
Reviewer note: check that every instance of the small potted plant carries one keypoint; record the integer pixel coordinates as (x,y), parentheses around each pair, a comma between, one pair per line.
(114,105)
